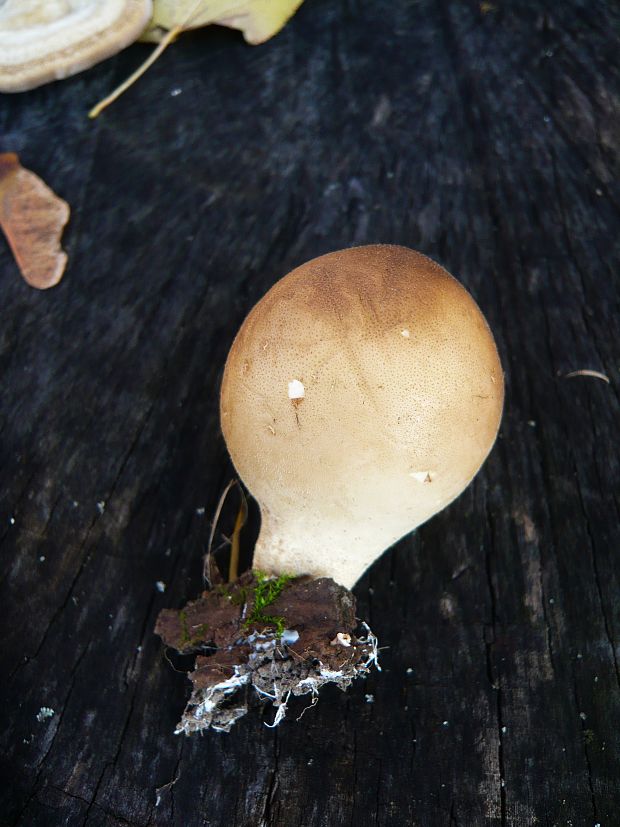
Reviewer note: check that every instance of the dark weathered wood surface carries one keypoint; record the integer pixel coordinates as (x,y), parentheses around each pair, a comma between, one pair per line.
(486,138)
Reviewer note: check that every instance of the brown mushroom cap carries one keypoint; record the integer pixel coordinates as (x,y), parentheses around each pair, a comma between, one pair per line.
(360,396)
(45,40)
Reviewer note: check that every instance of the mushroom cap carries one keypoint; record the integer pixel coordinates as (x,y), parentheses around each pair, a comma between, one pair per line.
(402,399)
(46,40)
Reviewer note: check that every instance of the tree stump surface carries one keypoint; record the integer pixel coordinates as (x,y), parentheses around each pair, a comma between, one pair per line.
(482,134)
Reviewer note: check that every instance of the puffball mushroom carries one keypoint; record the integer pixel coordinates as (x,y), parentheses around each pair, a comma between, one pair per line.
(45,40)
(361,395)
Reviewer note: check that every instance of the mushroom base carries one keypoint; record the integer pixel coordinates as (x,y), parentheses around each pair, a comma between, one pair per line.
(267,639)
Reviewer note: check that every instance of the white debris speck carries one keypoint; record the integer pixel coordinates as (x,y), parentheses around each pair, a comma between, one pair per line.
(296,389)
(405,333)
(200,511)
(370,699)
(168,552)
(101,506)
(42,558)
(531,423)
(160,586)
(504,729)
(138,648)
(579,656)
(422,476)
(598,191)
(12,520)
(44,713)
(446,723)
(341,639)
(410,670)
(583,716)
(75,503)
(175,92)
(289,636)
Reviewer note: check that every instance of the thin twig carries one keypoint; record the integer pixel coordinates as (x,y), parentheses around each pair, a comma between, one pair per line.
(164,788)
(595,374)
(233,566)
(206,568)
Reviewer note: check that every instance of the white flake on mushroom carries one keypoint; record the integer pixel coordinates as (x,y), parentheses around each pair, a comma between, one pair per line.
(296,389)
(422,476)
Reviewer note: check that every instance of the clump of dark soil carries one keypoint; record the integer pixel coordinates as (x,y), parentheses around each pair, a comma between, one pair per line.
(275,637)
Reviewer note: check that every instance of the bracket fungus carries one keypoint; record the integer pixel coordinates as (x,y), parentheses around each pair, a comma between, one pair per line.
(361,395)
(42,41)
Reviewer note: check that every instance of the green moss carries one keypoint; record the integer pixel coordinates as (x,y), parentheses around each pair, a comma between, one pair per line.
(185,636)
(266,592)
(239,597)
(187,639)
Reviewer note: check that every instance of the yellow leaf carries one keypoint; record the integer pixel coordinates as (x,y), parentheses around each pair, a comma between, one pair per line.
(257,19)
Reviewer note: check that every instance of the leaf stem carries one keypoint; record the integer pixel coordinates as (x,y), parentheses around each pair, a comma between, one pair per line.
(161,46)
(166,40)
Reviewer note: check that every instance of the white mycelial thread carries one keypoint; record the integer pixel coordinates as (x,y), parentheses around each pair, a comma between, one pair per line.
(296,389)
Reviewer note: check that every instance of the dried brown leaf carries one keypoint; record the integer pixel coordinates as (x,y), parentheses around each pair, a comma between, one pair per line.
(32,218)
